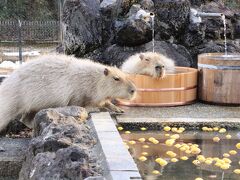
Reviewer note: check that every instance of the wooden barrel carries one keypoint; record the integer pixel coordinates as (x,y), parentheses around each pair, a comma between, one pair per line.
(173,90)
(219,78)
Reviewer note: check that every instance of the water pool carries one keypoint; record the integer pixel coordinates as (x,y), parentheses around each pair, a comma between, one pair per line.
(184,155)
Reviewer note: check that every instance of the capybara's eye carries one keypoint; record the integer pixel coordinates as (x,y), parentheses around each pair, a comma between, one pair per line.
(147,60)
(116,78)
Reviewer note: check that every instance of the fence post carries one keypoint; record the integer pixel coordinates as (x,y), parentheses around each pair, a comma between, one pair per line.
(20,40)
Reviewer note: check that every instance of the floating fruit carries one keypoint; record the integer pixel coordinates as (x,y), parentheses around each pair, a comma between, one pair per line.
(170,142)
(174,129)
(226,155)
(184,158)
(210,129)
(167,135)
(236,171)
(216,139)
(142,139)
(171,154)
(155,141)
(188,151)
(183,148)
(196,162)
(225,166)
(161,161)
(228,136)
(174,160)
(143,129)
(218,164)
(181,129)
(120,128)
(144,153)
(155,172)
(201,158)
(167,128)
(208,161)
(238,145)
(198,178)
(232,152)
(226,160)
(175,136)
(145,146)
(142,158)
(216,128)
(177,145)
(222,130)
(195,150)
(132,142)
(151,139)
(204,128)
(127,132)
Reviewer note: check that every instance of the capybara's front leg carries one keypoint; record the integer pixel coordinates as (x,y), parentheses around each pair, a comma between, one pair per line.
(110,106)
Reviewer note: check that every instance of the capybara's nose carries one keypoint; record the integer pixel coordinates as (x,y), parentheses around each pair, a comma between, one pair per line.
(158,68)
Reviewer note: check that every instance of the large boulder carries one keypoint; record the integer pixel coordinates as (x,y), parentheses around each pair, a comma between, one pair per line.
(116,55)
(135,30)
(172,17)
(62,148)
(82,27)
(109,10)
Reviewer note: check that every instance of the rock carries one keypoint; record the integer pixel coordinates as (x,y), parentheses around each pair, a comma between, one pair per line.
(109,10)
(194,35)
(12,154)
(172,17)
(197,2)
(126,5)
(47,116)
(212,47)
(135,30)
(147,5)
(115,55)
(214,25)
(62,148)
(82,26)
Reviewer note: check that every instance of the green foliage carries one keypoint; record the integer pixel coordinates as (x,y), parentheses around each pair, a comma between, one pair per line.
(29,9)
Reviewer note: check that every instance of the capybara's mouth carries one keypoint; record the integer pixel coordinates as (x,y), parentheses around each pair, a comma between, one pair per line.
(160,74)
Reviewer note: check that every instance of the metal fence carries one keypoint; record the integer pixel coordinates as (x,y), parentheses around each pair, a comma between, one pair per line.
(32,31)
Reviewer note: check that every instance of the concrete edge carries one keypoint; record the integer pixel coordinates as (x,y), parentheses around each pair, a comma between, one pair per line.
(190,122)
(117,162)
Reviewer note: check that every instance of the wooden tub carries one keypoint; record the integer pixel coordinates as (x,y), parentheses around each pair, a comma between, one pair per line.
(219,78)
(174,90)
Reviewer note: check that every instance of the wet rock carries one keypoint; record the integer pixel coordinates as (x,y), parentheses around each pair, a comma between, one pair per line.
(214,25)
(62,148)
(82,26)
(115,55)
(172,17)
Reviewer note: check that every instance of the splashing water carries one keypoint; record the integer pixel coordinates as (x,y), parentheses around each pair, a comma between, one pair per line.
(225,33)
(153,33)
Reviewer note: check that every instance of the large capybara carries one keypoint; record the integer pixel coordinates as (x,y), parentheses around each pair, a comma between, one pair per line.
(148,63)
(60,80)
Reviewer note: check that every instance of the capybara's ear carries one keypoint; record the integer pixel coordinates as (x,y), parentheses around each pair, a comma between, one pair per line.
(141,56)
(106,71)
